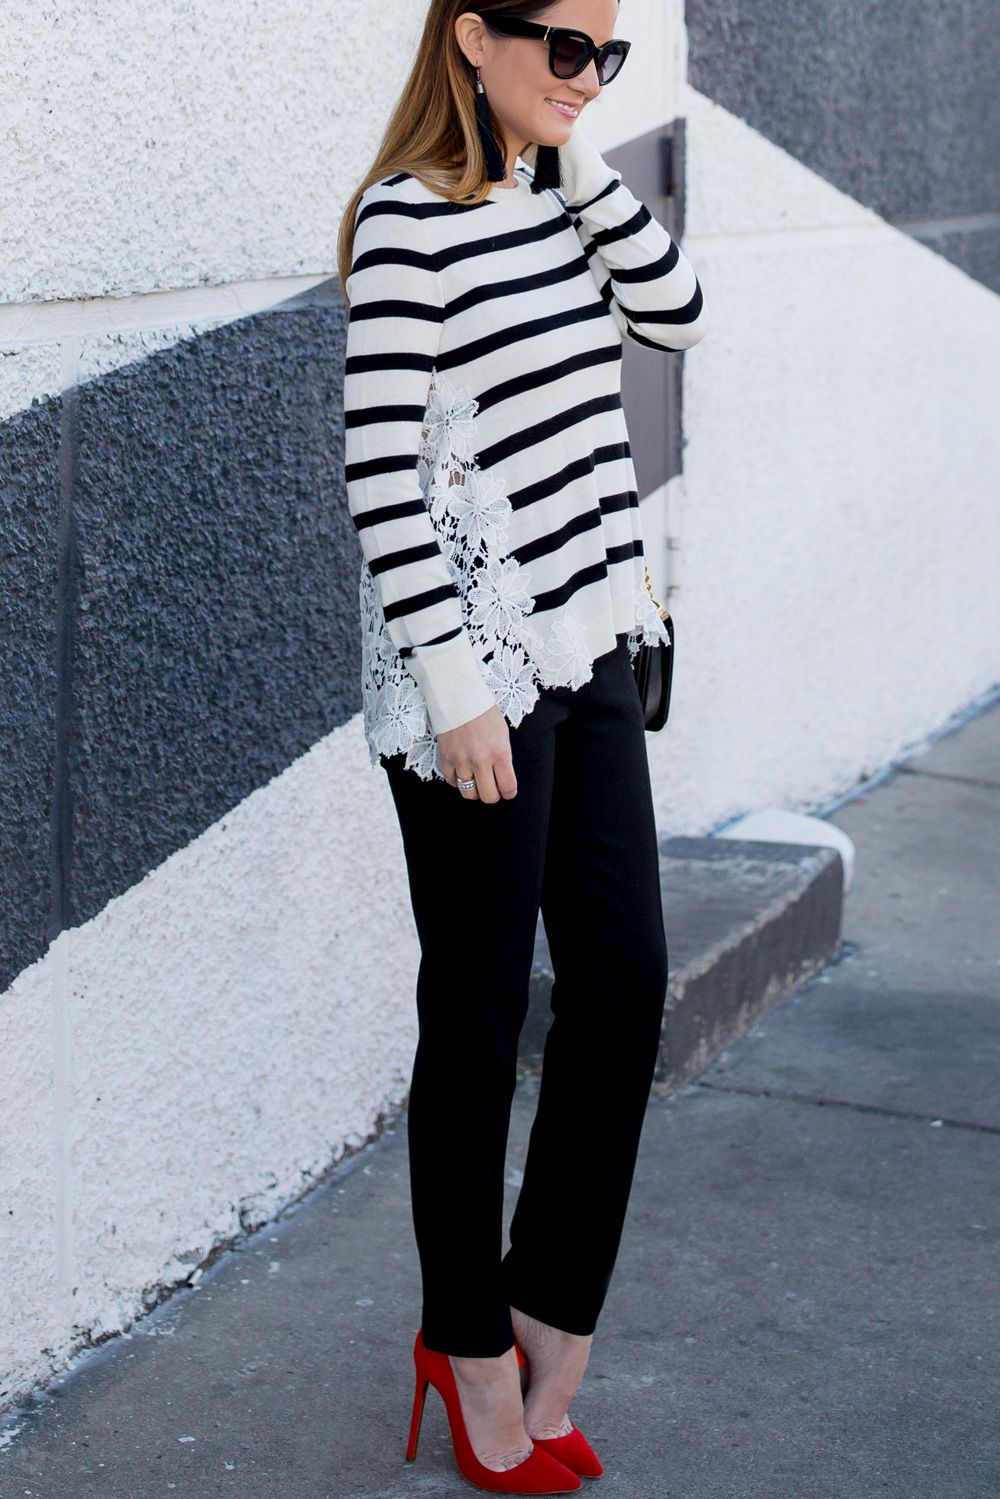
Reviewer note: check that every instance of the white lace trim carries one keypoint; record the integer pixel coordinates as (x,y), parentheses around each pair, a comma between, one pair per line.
(471,516)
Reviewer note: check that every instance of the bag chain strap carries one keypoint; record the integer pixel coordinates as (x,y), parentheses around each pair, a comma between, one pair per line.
(663,613)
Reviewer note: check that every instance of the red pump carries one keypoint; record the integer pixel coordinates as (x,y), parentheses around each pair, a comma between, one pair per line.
(572,1450)
(538,1474)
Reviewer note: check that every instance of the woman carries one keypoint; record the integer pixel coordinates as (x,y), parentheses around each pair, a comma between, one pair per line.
(503,592)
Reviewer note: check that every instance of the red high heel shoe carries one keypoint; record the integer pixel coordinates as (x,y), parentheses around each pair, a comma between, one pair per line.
(538,1474)
(573,1450)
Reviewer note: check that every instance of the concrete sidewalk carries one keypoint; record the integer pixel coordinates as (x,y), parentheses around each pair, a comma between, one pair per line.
(806,1302)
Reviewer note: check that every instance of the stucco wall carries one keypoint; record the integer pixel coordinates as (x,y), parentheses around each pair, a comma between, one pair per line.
(837,520)
(183,623)
(232,1004)
(187,150)
(188,146)
(894,104)
(185,780)
(195,1055)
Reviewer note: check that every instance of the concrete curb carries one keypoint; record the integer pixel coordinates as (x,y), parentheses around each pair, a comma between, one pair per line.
(746,923)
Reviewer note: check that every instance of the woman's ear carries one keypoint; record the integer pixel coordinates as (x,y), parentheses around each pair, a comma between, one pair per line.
(470,33)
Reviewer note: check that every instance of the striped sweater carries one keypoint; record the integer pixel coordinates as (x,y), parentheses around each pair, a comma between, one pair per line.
(487,458)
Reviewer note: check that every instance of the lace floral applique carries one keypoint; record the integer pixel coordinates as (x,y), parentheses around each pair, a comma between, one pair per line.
(566,654)
(471,515)
(649,627)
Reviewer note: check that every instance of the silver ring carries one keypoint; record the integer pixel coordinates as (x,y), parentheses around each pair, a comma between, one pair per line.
(466,785)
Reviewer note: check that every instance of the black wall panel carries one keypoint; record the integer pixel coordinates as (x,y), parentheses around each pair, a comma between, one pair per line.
(178,605)
(898,105)
(29,528)
(218,633)
(977,252)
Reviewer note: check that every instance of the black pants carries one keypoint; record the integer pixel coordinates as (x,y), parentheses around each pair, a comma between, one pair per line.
(579,839)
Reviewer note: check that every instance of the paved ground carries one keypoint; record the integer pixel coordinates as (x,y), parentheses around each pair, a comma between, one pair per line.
(807,1301)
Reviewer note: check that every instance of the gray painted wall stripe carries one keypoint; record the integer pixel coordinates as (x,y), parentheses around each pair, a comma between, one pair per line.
(29,525)
(190,573)
(897,105)
(972,223)
(66,603)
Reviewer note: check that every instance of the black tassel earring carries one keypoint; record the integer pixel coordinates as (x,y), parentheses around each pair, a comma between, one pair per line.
(496,167)
(547,172)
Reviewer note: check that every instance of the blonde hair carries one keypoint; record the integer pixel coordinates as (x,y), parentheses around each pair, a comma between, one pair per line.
(432,133)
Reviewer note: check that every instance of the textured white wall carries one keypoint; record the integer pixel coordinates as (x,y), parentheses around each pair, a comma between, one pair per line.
(161,183)
(650,91)
(183,144)
(207,1045)
(178,145)
(839,516)
(169,176)
(201,1051)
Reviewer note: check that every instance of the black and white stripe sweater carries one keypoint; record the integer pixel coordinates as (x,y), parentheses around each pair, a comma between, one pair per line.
(488,465)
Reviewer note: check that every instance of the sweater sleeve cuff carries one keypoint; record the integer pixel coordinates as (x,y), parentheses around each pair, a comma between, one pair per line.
(451,681)
(584,171)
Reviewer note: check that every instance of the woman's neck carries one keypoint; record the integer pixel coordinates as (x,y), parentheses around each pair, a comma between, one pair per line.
(510,164)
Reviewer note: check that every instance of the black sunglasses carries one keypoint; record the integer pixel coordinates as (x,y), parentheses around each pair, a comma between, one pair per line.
(569,51)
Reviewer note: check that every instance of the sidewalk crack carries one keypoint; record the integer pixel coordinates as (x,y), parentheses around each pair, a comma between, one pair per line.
(788,1096)
(944,775)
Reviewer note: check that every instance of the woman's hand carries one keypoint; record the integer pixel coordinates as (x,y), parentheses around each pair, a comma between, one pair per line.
(480,750)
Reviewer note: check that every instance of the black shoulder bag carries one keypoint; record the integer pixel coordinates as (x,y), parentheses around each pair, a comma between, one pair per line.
(654,669)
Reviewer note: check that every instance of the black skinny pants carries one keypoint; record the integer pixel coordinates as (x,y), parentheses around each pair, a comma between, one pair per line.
(578,839)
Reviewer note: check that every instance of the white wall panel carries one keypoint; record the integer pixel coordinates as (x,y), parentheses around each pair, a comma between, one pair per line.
(183,145)
(649,91)
(207,1045)
(186,143)
(30,1144)
(199,1053)
(840,527)
(28,372)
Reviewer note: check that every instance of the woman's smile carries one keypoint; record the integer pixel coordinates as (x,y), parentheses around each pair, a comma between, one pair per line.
(567,110)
